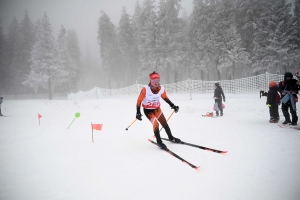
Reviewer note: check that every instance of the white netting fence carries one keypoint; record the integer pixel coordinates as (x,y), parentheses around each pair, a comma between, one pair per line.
(244,85)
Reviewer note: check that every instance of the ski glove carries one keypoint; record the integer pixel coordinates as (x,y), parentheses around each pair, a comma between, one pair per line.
(224,99)
(138,116)
(176,108)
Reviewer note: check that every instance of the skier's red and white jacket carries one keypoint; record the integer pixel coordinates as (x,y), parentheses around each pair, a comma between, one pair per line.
(149,98)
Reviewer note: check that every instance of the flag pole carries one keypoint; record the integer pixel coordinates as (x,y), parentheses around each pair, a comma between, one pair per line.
(92,133)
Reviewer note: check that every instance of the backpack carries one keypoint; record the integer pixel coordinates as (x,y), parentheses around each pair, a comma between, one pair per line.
(278,99)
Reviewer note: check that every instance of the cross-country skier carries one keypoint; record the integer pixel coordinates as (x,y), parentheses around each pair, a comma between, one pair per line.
(218,94)
(273,100)
(149,98)
(1,100)
(288,89)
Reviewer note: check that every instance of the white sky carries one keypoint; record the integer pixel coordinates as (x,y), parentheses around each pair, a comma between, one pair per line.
(80,15)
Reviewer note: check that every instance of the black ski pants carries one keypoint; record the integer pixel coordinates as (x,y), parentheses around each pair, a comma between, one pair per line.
(285,110)
(219,101)
(155,116)
(274,114)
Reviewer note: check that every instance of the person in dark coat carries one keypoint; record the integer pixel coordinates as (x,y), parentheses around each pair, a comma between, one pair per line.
(218,94)
(273,100)
(1,100)
(288,89)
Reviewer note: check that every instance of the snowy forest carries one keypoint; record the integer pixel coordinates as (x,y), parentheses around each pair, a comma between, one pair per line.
(218,40)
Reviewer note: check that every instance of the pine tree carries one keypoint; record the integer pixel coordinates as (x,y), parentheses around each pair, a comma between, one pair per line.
(107,40)
(3,61)
(136,26)
(126,42)
(74,49)
(20,62)
(221,34)
(45,69)
(296,21)
(272,38)
(199,36)
(296,35)
(169,37)
(12,52)
(67,64)
(146,43)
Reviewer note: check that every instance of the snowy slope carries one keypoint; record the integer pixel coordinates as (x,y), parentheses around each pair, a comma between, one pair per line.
(49,161)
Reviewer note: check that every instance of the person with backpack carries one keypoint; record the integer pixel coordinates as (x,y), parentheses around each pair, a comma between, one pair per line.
(288,89)
(273,100)
(149,99)
(218,94)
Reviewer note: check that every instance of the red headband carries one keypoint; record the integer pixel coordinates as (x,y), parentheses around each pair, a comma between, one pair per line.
(154,76)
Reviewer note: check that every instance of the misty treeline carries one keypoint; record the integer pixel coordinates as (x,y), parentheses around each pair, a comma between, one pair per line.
(34,61)
(219,39)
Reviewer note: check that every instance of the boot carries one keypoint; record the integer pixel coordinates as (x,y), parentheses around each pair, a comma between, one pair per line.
(217,113)
(294,121)
(162,146)
(221,113)
(287,119)
(286,122)
(176,140)
(272,120)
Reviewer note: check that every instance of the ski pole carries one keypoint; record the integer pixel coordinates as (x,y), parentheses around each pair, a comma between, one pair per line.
(168,119)
(130,125)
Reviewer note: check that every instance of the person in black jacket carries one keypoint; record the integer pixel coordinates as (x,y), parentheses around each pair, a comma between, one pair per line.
(288,89)
(1,100)
(218,94)
(273,100)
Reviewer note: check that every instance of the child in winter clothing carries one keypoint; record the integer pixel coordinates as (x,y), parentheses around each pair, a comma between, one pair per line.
(149,98)
(273,100)
(218,94)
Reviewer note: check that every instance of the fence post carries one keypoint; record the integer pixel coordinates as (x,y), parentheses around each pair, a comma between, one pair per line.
(189,83)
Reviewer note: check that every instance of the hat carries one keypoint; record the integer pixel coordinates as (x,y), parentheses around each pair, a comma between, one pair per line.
(217,84)
(288,74)
(273,84)
(154,75)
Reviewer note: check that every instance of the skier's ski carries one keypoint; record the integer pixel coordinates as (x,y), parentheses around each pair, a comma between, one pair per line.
(5,116)
(200,147)
(175,155)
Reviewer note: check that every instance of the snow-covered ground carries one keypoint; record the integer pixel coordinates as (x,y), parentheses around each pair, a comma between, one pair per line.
(49,161)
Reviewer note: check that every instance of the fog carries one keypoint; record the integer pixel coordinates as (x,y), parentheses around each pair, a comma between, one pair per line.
(175,45)
(80,15)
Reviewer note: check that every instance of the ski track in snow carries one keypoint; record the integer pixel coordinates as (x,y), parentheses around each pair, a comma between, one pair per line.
(49,161)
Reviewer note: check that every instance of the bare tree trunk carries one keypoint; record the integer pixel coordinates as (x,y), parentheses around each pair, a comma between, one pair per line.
(49,89)
(176,76)
(202,75)
(233,70)
(168,72)
(218,71)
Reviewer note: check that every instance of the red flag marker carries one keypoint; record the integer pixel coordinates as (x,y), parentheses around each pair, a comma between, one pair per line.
(39,116)
(96,127)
